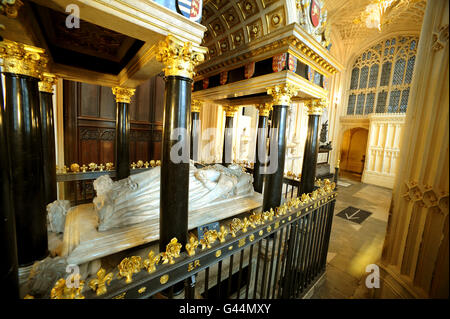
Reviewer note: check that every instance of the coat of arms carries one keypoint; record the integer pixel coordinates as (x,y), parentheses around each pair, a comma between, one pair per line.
(314,13)
(249,70)
(223,77)
(279,62)
(191,9)
(292,65)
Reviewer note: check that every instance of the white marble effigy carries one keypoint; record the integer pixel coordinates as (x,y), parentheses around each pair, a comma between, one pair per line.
(125,213)
(84,243)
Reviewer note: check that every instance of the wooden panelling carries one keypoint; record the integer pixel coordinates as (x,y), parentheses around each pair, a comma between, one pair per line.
(89,122)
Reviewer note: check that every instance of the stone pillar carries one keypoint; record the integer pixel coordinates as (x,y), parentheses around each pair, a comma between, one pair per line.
(315,109)
(9,280)
(227,154)
(122,145)
(415,255)
(48,136)
(195,129)
(22,68)
(273,182)
(179,59)
(258,175)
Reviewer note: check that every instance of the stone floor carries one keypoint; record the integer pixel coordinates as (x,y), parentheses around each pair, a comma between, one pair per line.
(353,246)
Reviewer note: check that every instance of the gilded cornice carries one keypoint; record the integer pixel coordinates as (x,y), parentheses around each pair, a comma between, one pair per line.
(230,110)
(282,94)
(196,106)
(123,95)
(290,39)
(22,59)
(264,109)
(178,57)
(47,82)
(316,107)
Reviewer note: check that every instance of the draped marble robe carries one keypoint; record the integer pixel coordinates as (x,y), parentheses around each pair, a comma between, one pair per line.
(136,199)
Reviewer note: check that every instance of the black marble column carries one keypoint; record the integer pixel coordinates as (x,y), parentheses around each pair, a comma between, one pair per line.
(258,177)
(25,149)
(8,265)
(173,216)
(227,153)
(122,145)
(273,182)
(195,135)
(311,151)
(48,145)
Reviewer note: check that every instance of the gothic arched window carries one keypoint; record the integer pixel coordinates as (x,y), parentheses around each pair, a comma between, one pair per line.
(381,77)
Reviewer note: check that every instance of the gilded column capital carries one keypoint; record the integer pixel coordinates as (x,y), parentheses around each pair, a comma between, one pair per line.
(316,107)
(47,82)
(22,59)
(230,110)
(264,109)
(282,94)
(196,106)
(123,95)
(178,57)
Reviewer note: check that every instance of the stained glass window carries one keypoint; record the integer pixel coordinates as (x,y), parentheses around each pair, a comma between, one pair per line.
(381,77)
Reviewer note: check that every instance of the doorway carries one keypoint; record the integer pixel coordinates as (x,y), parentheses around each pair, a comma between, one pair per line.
(353,153)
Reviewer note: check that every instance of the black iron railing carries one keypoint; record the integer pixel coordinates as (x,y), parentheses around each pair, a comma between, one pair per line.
(277,254)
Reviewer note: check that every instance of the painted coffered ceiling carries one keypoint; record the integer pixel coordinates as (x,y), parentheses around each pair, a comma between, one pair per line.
(231,24)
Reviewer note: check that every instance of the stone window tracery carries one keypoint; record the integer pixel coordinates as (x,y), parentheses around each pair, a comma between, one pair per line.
(381,77)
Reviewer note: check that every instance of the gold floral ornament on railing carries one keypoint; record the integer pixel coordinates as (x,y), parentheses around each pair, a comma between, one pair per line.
(128,267)
(191,245)
(99,284)
(151,262)
(172,251)
(222,234)
(62,291)
(235,226)
(209,238)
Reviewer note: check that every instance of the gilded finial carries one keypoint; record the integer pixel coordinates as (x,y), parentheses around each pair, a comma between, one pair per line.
(172,251)
(191,245)
(84,168)
(209,238)
(109,166)
(128,267)
(92,166)
(151,262)
(62,291)
(99,284)
(101,167)
(222,234)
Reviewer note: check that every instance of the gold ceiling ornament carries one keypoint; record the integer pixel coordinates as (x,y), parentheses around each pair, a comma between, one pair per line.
(10,8)
(191,245)
(123,95)
(282,94)
(47,82)
(230,110)
(23,59)
(264,109)
(151,262)
(316,107)
(128,267)
(196,106)
(178,57)
(61,291)
(99,284)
